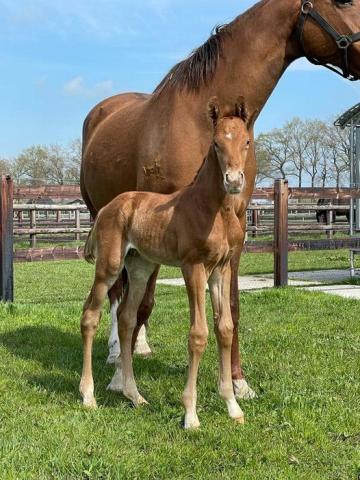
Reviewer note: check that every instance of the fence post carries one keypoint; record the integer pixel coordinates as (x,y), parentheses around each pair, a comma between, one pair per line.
(77,223)
(281,201)
(255,222)
(6,239)
(32,225)
(329,221)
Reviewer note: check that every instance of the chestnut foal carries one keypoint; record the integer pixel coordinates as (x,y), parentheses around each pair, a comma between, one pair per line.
(195,228)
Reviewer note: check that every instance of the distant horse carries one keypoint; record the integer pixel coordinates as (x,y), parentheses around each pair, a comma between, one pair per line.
(157,142)
(196,229)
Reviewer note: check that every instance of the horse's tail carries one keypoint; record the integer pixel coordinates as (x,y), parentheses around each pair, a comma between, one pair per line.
(90,245)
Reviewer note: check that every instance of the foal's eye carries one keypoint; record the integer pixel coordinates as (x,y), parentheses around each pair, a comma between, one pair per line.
(248,143)
(341,3)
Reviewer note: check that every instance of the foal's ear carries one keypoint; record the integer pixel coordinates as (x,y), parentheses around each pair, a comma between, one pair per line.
(241,110)
(214,110)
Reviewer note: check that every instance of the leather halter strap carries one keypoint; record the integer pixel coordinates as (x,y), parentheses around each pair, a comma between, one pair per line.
(343,42)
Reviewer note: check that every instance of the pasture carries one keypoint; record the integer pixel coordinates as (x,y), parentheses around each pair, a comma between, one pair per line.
(301,354)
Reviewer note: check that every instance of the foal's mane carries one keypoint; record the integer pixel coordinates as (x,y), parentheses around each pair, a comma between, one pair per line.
(200,67)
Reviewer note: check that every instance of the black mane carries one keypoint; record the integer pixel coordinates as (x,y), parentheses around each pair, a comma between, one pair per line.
(200,67)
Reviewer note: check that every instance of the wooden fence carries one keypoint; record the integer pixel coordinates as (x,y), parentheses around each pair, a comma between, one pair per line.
(33,220)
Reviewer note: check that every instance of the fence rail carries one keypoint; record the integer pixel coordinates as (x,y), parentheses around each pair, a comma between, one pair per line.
(280,217)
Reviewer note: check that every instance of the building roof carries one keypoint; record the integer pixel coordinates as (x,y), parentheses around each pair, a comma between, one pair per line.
(353,114)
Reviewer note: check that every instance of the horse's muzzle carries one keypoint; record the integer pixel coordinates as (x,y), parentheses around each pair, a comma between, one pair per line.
(234,182)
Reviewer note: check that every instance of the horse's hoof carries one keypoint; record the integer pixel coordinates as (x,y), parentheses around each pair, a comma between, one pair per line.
(114,387)
(242,390)
(143,350)
(112,357)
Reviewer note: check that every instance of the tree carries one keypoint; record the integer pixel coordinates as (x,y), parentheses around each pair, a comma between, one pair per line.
(275,153)
(315,151)
(299,141)
(5,166)
(73,161)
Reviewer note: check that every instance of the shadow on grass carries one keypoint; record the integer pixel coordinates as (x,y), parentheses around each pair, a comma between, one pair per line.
(57,350)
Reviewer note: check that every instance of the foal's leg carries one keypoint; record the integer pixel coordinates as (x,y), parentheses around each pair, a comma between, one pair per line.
(219,284)
(139,271)
(241,388)
(195,279)
(89,323)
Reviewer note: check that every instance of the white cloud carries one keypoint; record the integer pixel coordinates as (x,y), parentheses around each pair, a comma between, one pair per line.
(77,87)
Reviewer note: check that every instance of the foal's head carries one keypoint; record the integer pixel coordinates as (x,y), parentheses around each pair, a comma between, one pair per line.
(231,142)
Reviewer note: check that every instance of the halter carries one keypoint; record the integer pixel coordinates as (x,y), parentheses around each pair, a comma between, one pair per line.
(343,42)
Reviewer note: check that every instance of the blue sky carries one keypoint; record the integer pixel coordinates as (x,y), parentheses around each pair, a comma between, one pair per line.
(60,57)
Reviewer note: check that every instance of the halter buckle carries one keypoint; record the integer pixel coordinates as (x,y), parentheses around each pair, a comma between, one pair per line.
(344,42)
(306,8)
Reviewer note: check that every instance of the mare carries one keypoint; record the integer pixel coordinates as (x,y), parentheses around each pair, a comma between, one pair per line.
(195,228)
(158,142)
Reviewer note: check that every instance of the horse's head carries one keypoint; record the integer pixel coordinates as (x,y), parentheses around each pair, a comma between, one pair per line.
(231,143)
(329,33)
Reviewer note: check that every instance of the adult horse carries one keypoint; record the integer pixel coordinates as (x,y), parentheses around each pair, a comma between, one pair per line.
(158,142)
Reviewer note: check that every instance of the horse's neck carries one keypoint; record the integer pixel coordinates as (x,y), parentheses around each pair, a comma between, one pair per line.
(262,44)
(208,187)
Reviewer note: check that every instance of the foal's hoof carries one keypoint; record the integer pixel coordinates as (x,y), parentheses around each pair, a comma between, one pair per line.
(140,401)
(191,423)
(89,403)
(242,390)
(240,420)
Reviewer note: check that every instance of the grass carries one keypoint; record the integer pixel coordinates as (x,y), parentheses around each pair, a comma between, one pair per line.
(255,263)
(301,354)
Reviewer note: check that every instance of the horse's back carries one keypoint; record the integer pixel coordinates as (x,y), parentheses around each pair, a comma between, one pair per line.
(107,147)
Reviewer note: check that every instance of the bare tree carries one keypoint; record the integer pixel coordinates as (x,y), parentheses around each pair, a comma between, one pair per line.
(275,151)
(314,153)
(5,166)
(299,141)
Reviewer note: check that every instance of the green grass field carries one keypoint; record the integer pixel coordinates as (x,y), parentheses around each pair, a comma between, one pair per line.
(300,350)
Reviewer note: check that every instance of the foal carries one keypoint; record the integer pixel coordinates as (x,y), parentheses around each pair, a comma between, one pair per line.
(196,229)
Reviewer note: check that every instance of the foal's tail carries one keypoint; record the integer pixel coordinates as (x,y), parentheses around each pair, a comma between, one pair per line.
(90,245)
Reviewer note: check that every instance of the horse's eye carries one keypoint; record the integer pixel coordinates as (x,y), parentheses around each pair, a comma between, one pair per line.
(216,145)
(248,143)
(344,2)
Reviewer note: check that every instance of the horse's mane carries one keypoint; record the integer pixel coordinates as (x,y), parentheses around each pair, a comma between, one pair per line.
(200,66)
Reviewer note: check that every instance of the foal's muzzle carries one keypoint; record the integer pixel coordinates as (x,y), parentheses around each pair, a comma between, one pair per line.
(234,182)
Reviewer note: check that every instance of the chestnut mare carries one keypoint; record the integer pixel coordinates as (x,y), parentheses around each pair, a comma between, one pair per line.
(157,142)
(197,229)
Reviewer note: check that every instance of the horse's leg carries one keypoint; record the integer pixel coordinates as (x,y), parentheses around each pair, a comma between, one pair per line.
(219,285)
(141,346)
(143,314)
(195,279)
(115,294)
(139,271)
(241,388)
(89,323)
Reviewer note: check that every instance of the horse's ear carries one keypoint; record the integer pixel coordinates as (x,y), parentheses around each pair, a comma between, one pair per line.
(214,110)
(241,110)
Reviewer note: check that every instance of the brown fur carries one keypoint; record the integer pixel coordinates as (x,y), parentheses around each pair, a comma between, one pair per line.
(195,228)
(124,136)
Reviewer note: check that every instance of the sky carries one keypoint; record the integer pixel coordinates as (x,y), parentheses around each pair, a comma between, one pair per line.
(58,58)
